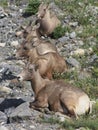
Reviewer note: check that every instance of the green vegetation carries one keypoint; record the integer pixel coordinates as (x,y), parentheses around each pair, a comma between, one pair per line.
(60,31)
(32,7)
(89,122)
(86,122)
(95,64)
(95,71)
(4,3)
(88,31)
(81,11)
(88,84)
(95,49)
(17,2)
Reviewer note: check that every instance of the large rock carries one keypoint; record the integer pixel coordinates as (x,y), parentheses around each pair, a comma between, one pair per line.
(4,89)
(3,127)
(2,13)
(3,118)
(73,62)
(21,112)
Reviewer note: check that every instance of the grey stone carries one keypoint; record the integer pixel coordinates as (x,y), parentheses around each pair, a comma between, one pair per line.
(67,19)
(3,127)
(10,22)
(84,75)
(72,35)
(81,43)
(74,24)
(6,68)
(1,100)
(3,118)
(22,111)
(2,13)
(93,58)
(2,44)
(55,9)
(14,43)
(73,62)
(63,39)
(4,89)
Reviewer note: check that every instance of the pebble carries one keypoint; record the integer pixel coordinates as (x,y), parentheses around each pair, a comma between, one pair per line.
(73,62)
(72,35)
(5,89)
(78,52)
(3,128)
(73,24)
(2,44)
(14,43)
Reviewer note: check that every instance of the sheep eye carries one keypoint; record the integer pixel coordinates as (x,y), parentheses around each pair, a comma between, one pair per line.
(45,9)
(25,48)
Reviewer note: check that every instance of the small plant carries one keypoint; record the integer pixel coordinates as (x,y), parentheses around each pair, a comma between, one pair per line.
(60,31)
(3,3)
(18,2)
(95,49)
(51,120)
(85,122)
(32,7)
(95,72)
(88,84)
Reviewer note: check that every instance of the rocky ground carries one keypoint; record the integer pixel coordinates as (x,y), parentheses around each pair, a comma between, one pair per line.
(15,113)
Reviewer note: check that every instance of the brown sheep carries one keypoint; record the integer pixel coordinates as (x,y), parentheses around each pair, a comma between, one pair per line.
(29,32)
(48,63)
(56,94)
(42,53)
(32,40)
(48,21)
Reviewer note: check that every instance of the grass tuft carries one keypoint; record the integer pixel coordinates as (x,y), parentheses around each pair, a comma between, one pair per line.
(4,3)
(32,7)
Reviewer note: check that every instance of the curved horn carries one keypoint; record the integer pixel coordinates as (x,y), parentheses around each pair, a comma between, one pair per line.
(37,26)
(23,27)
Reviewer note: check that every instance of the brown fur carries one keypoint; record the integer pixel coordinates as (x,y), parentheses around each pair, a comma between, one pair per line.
(48,63)
(32,40)
(48,22)
(43,54)
(57,95)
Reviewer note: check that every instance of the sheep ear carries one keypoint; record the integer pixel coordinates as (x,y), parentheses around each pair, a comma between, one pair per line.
(48,6)
(23,27)
(30,66)
(36,67)
(41,5)
(33,67)
(30,23)
(36,26)
(29,27)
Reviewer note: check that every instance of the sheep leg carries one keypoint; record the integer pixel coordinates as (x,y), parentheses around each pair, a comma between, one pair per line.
(68,106)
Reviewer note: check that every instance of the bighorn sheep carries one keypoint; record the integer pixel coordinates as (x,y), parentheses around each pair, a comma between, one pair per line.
(48,63)
(43,53)
(32,40)
(47,20)
(56,94)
